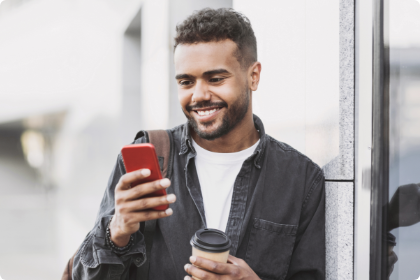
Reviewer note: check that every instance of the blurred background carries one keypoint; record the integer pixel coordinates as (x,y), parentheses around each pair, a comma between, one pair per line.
(78,79)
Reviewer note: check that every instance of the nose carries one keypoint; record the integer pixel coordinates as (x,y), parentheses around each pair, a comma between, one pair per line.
(201,92)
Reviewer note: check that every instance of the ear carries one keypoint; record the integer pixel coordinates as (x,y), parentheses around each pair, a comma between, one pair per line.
(254,73)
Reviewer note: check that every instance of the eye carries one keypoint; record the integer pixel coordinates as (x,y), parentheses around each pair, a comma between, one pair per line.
(185,83)
(215,80)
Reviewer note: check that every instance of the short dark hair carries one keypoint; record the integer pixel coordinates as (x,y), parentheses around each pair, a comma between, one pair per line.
(210,25)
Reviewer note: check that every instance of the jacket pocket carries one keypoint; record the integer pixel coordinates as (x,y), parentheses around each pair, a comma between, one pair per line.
(270,248)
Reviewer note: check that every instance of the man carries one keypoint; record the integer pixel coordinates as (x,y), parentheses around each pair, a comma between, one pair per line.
(227,174)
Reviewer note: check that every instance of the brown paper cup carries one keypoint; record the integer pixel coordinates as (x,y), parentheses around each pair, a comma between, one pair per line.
(211,244)
(217,257)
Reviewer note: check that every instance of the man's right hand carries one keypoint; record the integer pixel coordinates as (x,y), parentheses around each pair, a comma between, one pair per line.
(131,208)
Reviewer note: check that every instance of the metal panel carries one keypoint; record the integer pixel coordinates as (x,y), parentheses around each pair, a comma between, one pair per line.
(380,148)
(363,139)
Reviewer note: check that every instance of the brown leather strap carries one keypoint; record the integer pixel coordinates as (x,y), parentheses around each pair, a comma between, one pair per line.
(160,139)
(67,275)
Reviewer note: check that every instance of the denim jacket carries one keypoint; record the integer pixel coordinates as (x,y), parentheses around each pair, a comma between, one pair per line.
(276,221)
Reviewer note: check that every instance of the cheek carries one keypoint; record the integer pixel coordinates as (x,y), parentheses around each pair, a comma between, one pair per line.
(228,92)
(184,97)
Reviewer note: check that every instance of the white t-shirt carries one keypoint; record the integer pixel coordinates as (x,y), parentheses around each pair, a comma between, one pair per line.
(217,174)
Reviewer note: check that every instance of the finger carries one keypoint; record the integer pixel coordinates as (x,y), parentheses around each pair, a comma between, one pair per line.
(143,216)
(147,203)
(147,188)
(200,273)
(131,177)
(216,267)
(233,260)
(392,259)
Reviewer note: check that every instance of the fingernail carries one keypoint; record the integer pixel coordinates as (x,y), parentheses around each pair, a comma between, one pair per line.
(165,183)
(187,266)
(169,211)
(193,259)
(187,278)
(145,172)
(171,197)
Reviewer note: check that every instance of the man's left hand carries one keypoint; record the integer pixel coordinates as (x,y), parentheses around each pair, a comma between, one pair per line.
(207,270)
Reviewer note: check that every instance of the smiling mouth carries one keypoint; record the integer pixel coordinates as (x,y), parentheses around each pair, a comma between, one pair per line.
(206,112)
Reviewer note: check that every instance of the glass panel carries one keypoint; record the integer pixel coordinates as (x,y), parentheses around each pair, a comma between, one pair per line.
(403,20)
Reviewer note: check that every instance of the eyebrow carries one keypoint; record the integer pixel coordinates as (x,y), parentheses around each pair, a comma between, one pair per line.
(216,71)
(183,76)
(207,73)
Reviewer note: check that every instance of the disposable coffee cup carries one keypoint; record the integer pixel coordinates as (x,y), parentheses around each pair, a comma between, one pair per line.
(211,244)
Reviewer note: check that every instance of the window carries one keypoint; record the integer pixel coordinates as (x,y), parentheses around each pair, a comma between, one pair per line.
(395,232)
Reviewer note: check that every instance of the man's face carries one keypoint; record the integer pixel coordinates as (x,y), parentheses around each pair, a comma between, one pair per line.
(212,87)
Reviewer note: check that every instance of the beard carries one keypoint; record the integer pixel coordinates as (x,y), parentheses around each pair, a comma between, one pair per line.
(232,117)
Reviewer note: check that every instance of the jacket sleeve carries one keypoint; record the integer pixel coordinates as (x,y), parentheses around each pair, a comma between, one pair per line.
(308,259)
(94,259)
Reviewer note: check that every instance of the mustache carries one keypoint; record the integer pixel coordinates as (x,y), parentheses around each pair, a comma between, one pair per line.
(205,104)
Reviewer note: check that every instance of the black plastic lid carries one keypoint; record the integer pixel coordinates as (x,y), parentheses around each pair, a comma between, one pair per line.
(211,240)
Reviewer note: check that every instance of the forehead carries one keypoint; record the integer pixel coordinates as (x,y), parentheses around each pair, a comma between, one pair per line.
(201,57)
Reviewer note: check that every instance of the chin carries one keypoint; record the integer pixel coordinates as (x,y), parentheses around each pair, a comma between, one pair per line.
(210,131)
(207,128)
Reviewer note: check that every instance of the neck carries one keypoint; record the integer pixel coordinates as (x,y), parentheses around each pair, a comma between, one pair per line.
(241,137)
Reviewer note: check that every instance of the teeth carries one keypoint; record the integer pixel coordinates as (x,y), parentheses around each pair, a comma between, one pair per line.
(205,113)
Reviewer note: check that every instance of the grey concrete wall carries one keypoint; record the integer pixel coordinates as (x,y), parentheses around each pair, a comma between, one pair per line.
(339,230)
(342,166)
(340,194)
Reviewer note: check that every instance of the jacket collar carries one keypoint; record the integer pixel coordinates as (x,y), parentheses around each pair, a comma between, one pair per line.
(186,142)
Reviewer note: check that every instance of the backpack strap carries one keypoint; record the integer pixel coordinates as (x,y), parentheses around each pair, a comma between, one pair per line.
(68,271)
(162,140)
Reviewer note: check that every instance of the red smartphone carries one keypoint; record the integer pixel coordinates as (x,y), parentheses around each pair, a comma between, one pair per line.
(143,156)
